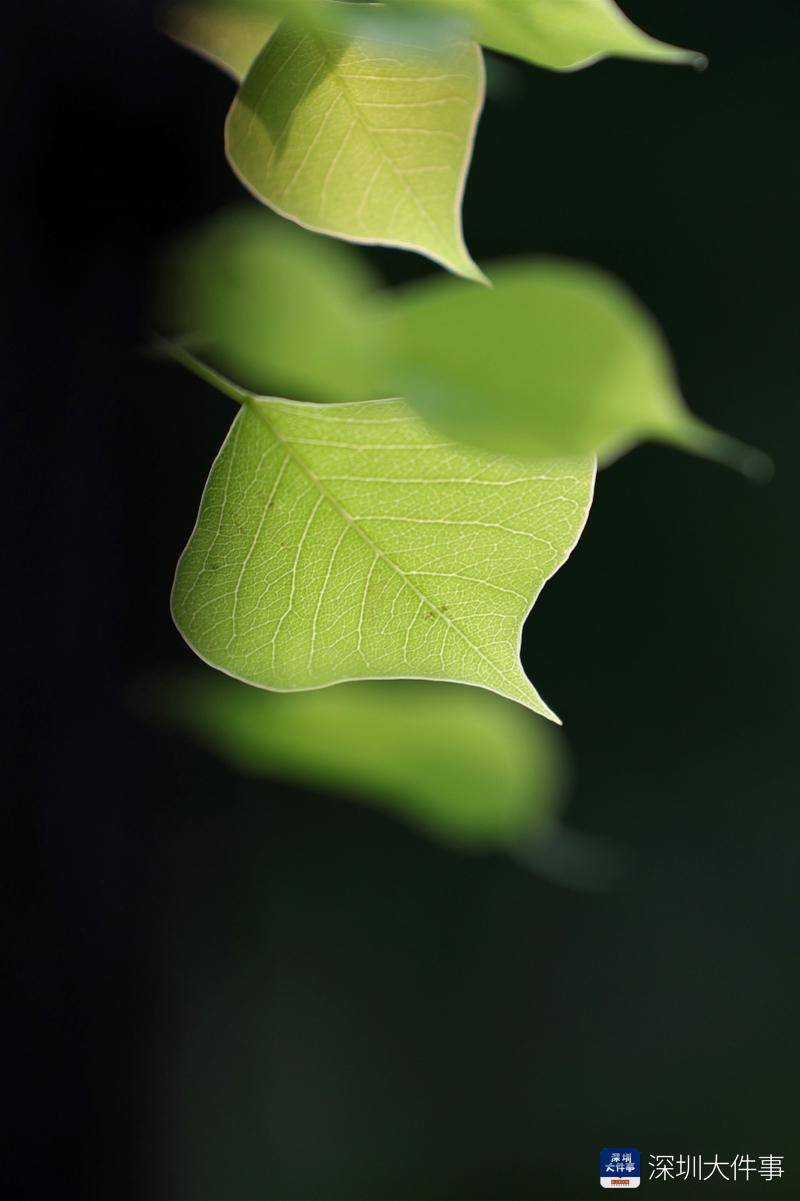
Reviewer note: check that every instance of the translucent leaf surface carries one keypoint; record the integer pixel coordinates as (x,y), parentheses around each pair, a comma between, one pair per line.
(561,34)
(228,35)
(339,542)
(462,765)
(278,308)
(231,33)
(361,138)
(554,359)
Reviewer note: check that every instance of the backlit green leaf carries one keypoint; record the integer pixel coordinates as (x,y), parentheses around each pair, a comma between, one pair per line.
(228,35)
(460,764)
(339,542)
(361,138)
(554,359)
(561,34)
(280,309)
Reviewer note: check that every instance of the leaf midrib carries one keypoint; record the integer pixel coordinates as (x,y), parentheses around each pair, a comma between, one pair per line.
(256,406)
(373,134)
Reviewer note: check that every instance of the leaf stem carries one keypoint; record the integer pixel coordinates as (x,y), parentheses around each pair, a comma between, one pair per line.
(190,361)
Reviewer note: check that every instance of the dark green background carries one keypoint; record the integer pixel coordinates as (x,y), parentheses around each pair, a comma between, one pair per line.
(222,991)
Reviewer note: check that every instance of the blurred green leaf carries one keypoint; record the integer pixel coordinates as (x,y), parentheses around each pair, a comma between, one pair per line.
(561,34)
(340,542)
(357,137)
(231,33)
(282,310)
(228,35)
(555,359)
(462,765)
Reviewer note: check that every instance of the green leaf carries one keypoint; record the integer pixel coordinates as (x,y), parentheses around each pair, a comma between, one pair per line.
(279,309)
(360,138)
(228,35)
(557,359)
(462,765)
(340,542)
(554,359)
(561,34)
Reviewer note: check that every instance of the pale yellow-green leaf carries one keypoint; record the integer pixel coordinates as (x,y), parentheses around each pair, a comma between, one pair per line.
(361,137)
(561,34)
(228,35)
(339,542)
(460,764)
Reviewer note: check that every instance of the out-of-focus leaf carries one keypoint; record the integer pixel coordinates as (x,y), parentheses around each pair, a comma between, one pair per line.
(228,35)
(561,34)
(361,137)
(555,359)
(282,310)
(464,766)
(340,542)
(231,33)
(211,26)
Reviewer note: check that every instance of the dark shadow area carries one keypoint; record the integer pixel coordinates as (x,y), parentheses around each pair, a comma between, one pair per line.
(308,69)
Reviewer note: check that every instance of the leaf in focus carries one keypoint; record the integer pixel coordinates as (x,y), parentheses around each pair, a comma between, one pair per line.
(228,35)
(361,137)
(280,309)
(561,34)
(462,765)
(555,359)
(340,542)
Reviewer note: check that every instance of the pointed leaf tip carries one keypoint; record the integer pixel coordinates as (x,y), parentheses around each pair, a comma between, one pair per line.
(349,541)
(558,358)
(695,436)
(562,35)
(348,136)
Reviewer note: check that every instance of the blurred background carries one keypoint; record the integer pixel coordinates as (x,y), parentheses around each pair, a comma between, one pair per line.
(222,989)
